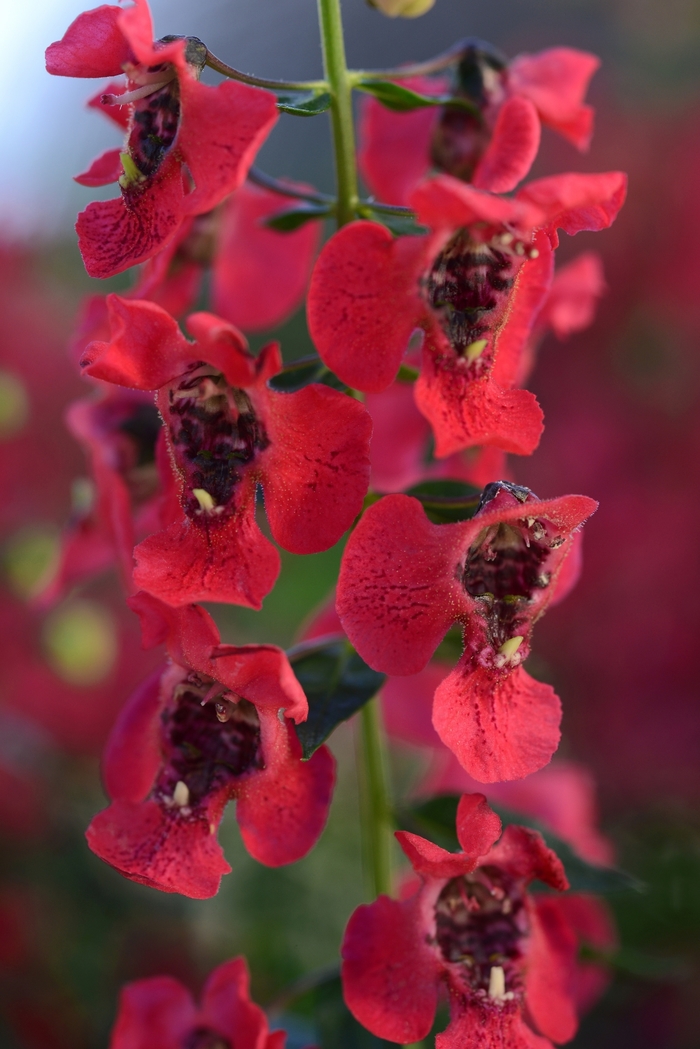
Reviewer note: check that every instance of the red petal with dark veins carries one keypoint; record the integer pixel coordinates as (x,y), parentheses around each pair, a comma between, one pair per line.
(259,274)
(512,149)
(104,169)
(575,202)
(116,234)
(137,26)
(556,82)
(488,1025)
(161,848)
(316,471)
(466,412)
(390,975)
(92,46)
(364,302)
(550,977)
(132,757)
(394,153)
(157,1013)
(232,562)
(226,1006)
(146,348)
(221,130)
(500,725)
(524,854)
(397,592)
(478,826)
(430,861)
(282,810)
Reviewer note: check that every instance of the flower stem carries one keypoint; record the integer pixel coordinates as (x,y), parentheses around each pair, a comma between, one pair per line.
(374,800)
(336,72)
(273,85)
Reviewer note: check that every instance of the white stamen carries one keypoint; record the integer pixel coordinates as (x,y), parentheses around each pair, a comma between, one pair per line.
(497,983)
(135,95)
(181,794)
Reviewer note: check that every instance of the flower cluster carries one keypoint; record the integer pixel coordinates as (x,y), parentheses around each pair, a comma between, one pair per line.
(448,283)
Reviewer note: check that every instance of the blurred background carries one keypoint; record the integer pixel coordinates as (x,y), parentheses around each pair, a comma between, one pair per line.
(622,425)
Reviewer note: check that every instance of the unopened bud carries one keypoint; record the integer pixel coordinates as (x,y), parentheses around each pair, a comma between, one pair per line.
(402,8)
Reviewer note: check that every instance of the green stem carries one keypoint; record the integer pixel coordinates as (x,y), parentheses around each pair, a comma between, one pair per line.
(377,828)
(336,72)
(256,81)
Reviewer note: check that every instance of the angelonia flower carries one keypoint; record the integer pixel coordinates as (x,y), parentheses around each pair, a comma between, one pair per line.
(206,457)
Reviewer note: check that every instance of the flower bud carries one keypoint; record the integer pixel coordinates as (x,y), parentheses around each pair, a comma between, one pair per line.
(402,8)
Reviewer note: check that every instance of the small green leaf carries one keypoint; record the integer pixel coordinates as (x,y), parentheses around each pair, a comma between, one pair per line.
(403,99)
(436,817)
(304,104)
(302,372)
(400,225)
(337,682)
(293,218)
(446,501)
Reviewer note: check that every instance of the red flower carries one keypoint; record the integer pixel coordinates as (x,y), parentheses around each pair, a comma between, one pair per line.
(160,1012)
(404,581)
(475,285)
(507,960)
(173,121)
(227,432)
(495,149)
(192,737)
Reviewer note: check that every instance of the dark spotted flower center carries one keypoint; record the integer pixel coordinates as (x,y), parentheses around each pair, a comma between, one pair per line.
(467,288)
(205,1038)
(505,567)
(480,923)
(204,750)
(215,434)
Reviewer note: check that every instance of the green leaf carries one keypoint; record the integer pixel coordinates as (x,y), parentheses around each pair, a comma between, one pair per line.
(446,501)
(400,225)
(402,99)
(304,104)
(337,682)
(435,819)
(293,218)
(303,372)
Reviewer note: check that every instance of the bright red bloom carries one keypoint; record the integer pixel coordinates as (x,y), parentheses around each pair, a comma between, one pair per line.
(404,581)
(227,433)
(159,1013)
(493,150)
(475,285)
(506,959)
(192,737)
(174,120)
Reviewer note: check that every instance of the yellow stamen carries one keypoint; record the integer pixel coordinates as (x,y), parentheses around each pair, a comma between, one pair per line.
(206,503)
(131,172)
(475,349)
(509,648)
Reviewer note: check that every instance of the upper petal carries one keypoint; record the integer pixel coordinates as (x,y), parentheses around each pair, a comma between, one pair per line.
(432,861)
(575,202)
(364,302)
(146,348)
(512,149)
(316,472)
(397,591)
(478,826)
(524,854)
(226,1006)
(556,82)
(221,130)
(93,45)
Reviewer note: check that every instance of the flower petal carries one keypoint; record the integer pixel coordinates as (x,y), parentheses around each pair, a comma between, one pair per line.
(153,1014)
(104,169)
(556,81)
(316,472)
(512,149)
(92,46)
(499,726)
(551,971)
